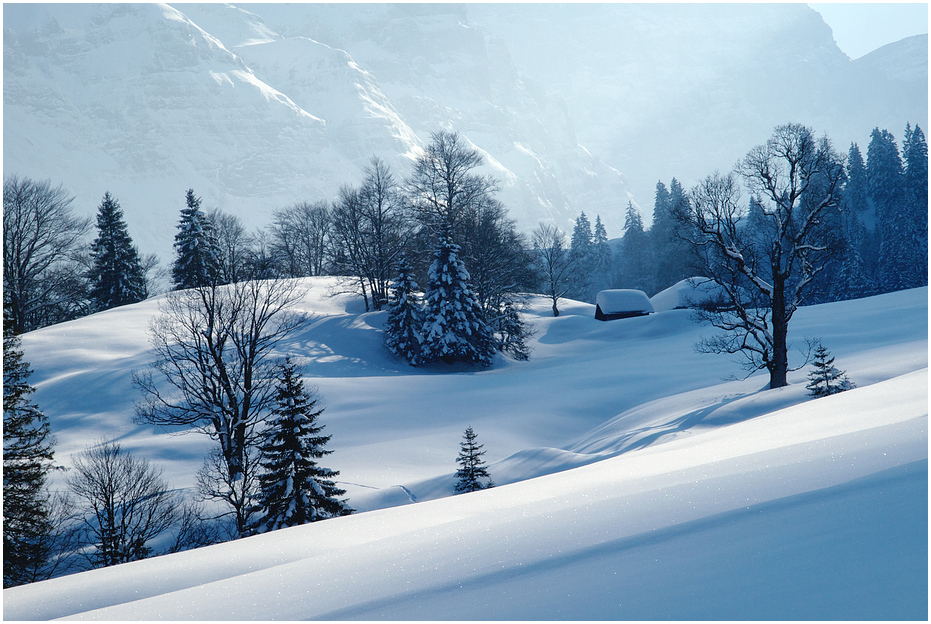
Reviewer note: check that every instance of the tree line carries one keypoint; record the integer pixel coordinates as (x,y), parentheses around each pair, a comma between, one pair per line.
(877,225)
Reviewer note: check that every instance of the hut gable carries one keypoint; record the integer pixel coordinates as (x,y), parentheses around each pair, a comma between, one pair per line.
(621,303)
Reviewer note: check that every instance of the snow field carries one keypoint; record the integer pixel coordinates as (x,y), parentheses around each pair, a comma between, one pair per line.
(632,482)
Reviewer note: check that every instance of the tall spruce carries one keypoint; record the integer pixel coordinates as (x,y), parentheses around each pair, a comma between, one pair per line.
(634,259)
(672,256)
(117,277)
(915,191)
(453,329)
(885,175)
(472,474)
(602,258)
(197,255)
(294,489)
(27,460)
(581,259)
(856,195)
(405,319)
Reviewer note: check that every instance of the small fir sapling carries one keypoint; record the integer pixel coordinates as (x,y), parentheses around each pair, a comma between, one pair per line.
(825,379)
(472,468)
(293,488)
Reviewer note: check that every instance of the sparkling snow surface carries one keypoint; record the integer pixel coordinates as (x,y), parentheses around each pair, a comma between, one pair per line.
(632,482)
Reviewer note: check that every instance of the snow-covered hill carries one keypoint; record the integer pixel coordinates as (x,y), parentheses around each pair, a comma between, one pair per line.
(632,483)
(575,106)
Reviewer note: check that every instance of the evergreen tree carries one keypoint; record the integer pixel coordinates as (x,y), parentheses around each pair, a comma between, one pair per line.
(853,278)
(197,259)
(856,195)
(885,176)
(672,255)
(581,260)
(117,276)
(825,380)
(294,489)
(402,329)
(472,470)
(602,259)
(27,457)
(512,333)
(915,190)
(634,263)
(453,326)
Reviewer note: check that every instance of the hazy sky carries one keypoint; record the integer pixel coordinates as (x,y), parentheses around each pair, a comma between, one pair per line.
(861,28)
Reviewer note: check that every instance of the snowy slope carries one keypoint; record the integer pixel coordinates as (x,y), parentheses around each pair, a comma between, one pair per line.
(632,482)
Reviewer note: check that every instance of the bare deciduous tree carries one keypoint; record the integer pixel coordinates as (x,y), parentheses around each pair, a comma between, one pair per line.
(369,228)
(765,270)
(442,185)
(128,503)
(300,236)
(214,346)
(42,244)
(553,262)
(233,245)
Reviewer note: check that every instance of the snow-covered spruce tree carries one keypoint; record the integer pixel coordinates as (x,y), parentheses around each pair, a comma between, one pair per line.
(453,328)
(825,379)
(197,256)
(402,329)
(472,473)
(117,276)
(293,489)
(27,460)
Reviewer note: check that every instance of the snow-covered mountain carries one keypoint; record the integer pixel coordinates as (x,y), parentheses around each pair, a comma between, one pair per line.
(632,483)
(576,107)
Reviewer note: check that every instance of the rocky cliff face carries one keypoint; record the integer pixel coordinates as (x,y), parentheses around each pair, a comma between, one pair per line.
(575,107)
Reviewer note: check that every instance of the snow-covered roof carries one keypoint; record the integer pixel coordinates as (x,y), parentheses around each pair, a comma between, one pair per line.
(685,294)
(623,301)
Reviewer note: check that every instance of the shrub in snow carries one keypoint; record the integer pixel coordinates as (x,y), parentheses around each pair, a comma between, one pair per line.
(453,328)
(825,380)
(472,469)
(293,489)
(402,329)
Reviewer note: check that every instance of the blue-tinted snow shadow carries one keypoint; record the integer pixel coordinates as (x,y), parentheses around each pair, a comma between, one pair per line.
(855,551)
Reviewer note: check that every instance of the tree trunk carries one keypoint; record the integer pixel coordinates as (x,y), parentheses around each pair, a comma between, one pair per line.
(779,365)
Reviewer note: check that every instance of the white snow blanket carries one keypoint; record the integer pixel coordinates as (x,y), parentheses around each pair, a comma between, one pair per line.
(685,294)
(623,301)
